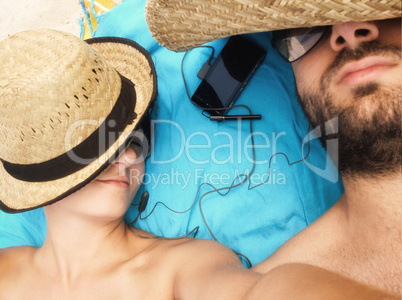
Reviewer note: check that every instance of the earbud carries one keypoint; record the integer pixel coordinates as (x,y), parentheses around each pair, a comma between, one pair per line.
(143,202)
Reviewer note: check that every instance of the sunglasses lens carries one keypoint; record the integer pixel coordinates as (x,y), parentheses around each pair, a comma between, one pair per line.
(292,44)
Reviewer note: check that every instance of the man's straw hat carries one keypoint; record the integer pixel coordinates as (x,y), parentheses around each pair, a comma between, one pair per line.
(67,109)
(180,25)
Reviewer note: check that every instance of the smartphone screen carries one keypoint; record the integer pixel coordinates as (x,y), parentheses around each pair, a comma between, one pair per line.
(228,75)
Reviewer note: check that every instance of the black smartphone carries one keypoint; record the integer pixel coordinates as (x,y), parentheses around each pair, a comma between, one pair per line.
(228,75)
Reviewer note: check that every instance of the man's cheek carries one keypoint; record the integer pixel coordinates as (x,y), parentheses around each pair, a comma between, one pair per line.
(296,70)
(306,79)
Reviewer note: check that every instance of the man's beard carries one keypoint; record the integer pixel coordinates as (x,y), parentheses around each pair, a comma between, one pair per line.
(369,124)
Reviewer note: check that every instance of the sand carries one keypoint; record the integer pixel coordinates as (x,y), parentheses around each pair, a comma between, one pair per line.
(19,15)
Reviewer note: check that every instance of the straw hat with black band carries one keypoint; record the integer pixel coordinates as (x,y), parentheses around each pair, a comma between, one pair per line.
(67,109)
(180,25)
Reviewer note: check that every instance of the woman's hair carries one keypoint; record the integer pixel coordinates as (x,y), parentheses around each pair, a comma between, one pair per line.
(146,124)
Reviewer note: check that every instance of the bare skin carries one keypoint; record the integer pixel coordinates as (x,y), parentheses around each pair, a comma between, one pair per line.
(90,253)
(135,269)
(360,236)
(185,269)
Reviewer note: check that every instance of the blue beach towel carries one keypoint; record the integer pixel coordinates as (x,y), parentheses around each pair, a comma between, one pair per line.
(191,153)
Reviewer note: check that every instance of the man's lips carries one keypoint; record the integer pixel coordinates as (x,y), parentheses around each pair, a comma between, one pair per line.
(116,181)
(364,70)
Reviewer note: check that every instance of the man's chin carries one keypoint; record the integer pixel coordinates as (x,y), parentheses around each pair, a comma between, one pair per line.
(369,128)
(369,153)
(370,133)
(365,90)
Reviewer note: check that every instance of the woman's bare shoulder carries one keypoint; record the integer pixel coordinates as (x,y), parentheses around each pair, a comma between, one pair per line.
(199,254)
(12,257)
(16,271)
(17,249)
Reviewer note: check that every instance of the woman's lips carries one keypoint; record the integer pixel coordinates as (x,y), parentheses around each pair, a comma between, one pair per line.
(119,182)
(365,70)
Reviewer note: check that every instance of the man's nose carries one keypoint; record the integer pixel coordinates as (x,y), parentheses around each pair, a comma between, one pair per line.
(351,35)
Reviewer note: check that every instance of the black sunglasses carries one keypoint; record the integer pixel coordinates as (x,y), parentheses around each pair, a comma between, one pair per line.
(293,44)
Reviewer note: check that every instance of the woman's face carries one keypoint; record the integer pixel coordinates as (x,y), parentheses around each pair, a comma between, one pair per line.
(125,173)
(111,193)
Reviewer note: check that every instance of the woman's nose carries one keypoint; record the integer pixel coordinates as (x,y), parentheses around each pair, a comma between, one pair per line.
(351,35)
(127,157)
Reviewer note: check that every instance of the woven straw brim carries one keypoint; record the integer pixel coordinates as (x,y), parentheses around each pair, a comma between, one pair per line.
(180,25)
(135,64)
